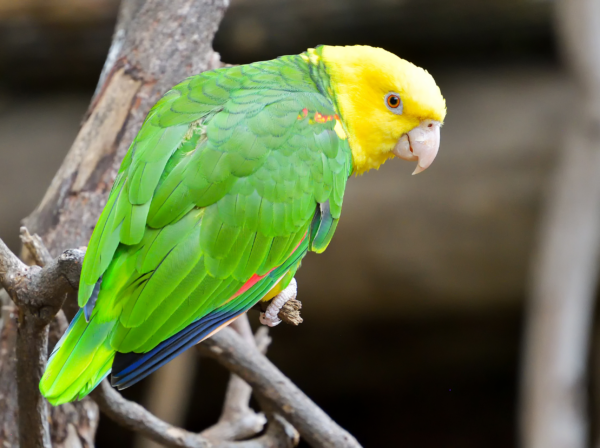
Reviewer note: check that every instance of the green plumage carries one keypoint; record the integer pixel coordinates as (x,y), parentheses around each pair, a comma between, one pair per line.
(221,184)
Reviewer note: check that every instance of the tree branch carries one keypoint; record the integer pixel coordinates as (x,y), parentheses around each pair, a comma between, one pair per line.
(279,434)
(314,425)
(35,247)
(38,294)
(136,418)
(157,44)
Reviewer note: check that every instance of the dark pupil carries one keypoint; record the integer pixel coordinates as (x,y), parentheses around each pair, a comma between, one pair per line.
(393,101)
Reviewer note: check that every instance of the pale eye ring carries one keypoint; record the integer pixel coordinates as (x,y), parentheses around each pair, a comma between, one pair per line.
(394,103)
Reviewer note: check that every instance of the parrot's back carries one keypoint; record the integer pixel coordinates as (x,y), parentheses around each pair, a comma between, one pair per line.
(235,174)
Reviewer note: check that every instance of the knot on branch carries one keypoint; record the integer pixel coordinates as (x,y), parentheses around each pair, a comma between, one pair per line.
(69,264)
(39,292)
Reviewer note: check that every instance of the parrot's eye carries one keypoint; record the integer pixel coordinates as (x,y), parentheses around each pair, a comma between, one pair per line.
(394,103)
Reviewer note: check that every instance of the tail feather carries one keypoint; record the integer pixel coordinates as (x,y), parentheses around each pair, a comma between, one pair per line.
(80,360)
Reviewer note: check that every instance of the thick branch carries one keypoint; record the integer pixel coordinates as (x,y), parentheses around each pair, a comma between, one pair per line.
(127,12)
(31,351)
(9,434)
(314,425)
(37,251)
(157,44)
(41,291)
(38,293)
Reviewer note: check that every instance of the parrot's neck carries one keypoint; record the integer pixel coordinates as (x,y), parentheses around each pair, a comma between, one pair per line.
(366,155)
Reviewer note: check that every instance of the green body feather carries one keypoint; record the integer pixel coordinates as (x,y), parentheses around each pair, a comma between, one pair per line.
(221,183)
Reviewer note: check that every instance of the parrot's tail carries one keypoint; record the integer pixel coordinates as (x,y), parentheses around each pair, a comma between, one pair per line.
(82,358)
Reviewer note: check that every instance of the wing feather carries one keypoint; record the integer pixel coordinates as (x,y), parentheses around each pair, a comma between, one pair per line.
(220,186)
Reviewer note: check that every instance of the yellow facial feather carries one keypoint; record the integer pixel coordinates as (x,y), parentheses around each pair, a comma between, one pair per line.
(361,77)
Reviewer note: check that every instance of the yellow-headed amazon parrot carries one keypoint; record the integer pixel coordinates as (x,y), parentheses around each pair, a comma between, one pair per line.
(235,174)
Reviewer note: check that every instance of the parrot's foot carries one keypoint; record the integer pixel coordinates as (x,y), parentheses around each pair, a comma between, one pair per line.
(270,317)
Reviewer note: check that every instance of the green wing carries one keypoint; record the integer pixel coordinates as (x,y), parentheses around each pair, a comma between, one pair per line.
(231,171)
(221,183)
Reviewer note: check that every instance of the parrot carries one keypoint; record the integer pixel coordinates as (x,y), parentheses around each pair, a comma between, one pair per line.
(235,174)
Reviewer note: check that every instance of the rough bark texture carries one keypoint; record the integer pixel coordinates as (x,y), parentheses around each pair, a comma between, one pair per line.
(165,42)
(32,344)
(135,417)
(38,294)
(553,413)
(9,421)
(157,43)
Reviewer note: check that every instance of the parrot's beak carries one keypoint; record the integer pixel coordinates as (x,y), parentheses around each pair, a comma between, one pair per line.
(420,144)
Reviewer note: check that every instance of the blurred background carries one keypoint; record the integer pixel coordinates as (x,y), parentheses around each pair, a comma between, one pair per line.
(414,315)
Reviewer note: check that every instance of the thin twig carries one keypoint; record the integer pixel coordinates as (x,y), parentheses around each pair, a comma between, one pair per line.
(262,339)
(290,312)
(35,246)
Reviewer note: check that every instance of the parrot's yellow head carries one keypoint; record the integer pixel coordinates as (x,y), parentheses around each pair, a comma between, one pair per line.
(389,107)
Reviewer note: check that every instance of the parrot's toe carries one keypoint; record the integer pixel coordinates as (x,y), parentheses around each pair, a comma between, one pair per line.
(270,316)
